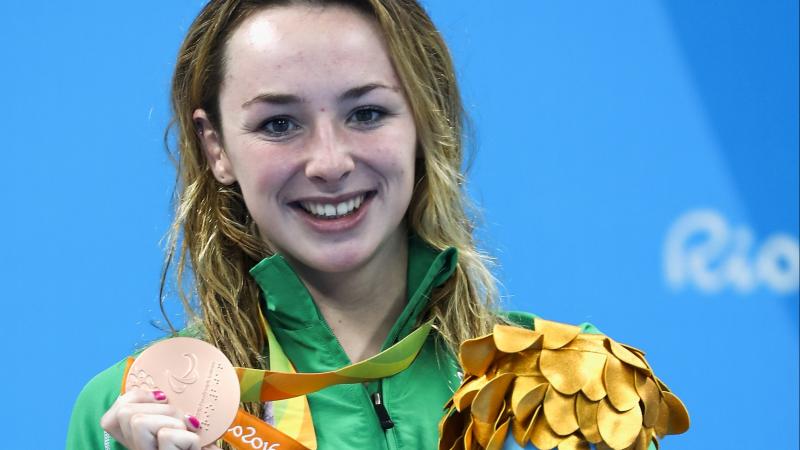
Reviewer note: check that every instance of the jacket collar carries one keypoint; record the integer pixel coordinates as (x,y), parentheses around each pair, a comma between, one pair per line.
(289,306)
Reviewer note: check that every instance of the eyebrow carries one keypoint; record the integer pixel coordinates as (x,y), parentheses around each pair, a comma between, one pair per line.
(275,99)
(361,91)
(287,99)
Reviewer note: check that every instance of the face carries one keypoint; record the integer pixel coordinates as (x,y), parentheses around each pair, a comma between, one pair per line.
(317,131)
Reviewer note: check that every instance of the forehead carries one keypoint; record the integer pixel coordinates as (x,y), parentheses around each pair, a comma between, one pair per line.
(295,47)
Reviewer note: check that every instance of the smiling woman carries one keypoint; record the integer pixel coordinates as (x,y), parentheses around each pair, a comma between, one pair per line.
(320,141)
(322,220)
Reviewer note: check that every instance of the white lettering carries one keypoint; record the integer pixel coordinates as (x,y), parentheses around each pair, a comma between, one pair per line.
(251,432)
(701,249)
(248,436)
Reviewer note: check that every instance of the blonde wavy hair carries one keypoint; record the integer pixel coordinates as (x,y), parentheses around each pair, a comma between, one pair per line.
(213,241)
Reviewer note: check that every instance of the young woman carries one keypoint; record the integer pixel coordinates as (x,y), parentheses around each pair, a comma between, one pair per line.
(320,188)
(327,133)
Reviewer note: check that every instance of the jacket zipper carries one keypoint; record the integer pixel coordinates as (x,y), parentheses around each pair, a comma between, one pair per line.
(391,440)
(382,412)
(385,420)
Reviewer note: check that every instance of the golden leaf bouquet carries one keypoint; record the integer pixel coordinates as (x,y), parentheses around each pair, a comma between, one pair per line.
(556,387)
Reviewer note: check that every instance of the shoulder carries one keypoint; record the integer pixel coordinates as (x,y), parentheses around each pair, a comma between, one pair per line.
(94,400)
(568,385)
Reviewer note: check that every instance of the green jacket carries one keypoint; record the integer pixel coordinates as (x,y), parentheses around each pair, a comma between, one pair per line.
(344,416)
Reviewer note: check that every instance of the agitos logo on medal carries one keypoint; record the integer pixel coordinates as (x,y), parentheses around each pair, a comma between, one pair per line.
(207,389)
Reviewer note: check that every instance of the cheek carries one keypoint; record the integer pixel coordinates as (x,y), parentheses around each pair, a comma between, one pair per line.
(262,177)
(398,152)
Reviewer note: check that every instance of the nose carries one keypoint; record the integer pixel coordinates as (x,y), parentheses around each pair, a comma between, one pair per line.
(329,160)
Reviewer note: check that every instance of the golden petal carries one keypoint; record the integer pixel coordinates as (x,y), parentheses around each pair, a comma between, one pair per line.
(466,393)
(464,399)
(519,431)
(450,428)
(510,339)
(499,437)
(527,394)
(626,356)
(662,421)
(618,429)
(589,343)
(521,363)
(594,389)
(637,442)
(489,402)
(573,442)
(458,445)
(586,411)
(661,384)
(529,430)
(638,353)
(620,385)
(482,431)
(477,354)
(556,335)
(569,370)
(505,413)
(643,440)
(542,436)
(559,409)
(678,415)
(468,435)
(651,397)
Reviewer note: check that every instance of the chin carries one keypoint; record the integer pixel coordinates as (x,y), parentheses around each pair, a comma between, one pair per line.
(337,260)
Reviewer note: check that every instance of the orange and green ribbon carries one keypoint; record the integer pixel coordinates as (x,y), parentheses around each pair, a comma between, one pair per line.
(287,390)
(284,383)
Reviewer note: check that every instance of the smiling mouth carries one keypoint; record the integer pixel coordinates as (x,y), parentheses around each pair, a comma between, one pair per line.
(337,210)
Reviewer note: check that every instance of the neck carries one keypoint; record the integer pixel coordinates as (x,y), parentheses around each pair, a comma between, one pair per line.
(361,305)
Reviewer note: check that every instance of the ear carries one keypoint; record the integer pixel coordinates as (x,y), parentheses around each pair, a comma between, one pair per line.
(211,141)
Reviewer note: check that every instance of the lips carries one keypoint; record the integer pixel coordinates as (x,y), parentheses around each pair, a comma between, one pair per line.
(333,215)
(331,210)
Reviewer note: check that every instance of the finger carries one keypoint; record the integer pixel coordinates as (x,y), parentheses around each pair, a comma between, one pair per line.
(111,419)
(126,413)
(146,429)
(134,396)
(140,396)
(176,439)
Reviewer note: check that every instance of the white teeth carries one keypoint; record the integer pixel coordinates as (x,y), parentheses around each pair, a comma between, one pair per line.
(331,210)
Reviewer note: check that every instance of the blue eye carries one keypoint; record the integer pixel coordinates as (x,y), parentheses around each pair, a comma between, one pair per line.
(367,116)
(279,126)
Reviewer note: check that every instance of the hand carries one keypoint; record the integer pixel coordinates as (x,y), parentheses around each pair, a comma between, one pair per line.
(142,420)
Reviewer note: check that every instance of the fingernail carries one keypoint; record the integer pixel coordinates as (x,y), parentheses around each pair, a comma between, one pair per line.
(159,395)
(193,421)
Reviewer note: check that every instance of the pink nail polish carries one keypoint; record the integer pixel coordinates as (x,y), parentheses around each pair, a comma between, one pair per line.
(159,395)
(193,422)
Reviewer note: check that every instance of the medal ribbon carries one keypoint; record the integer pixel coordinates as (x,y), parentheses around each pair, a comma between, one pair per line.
(287,389)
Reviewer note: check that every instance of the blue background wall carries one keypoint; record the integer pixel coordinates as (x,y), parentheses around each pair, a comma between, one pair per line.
(637,166)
